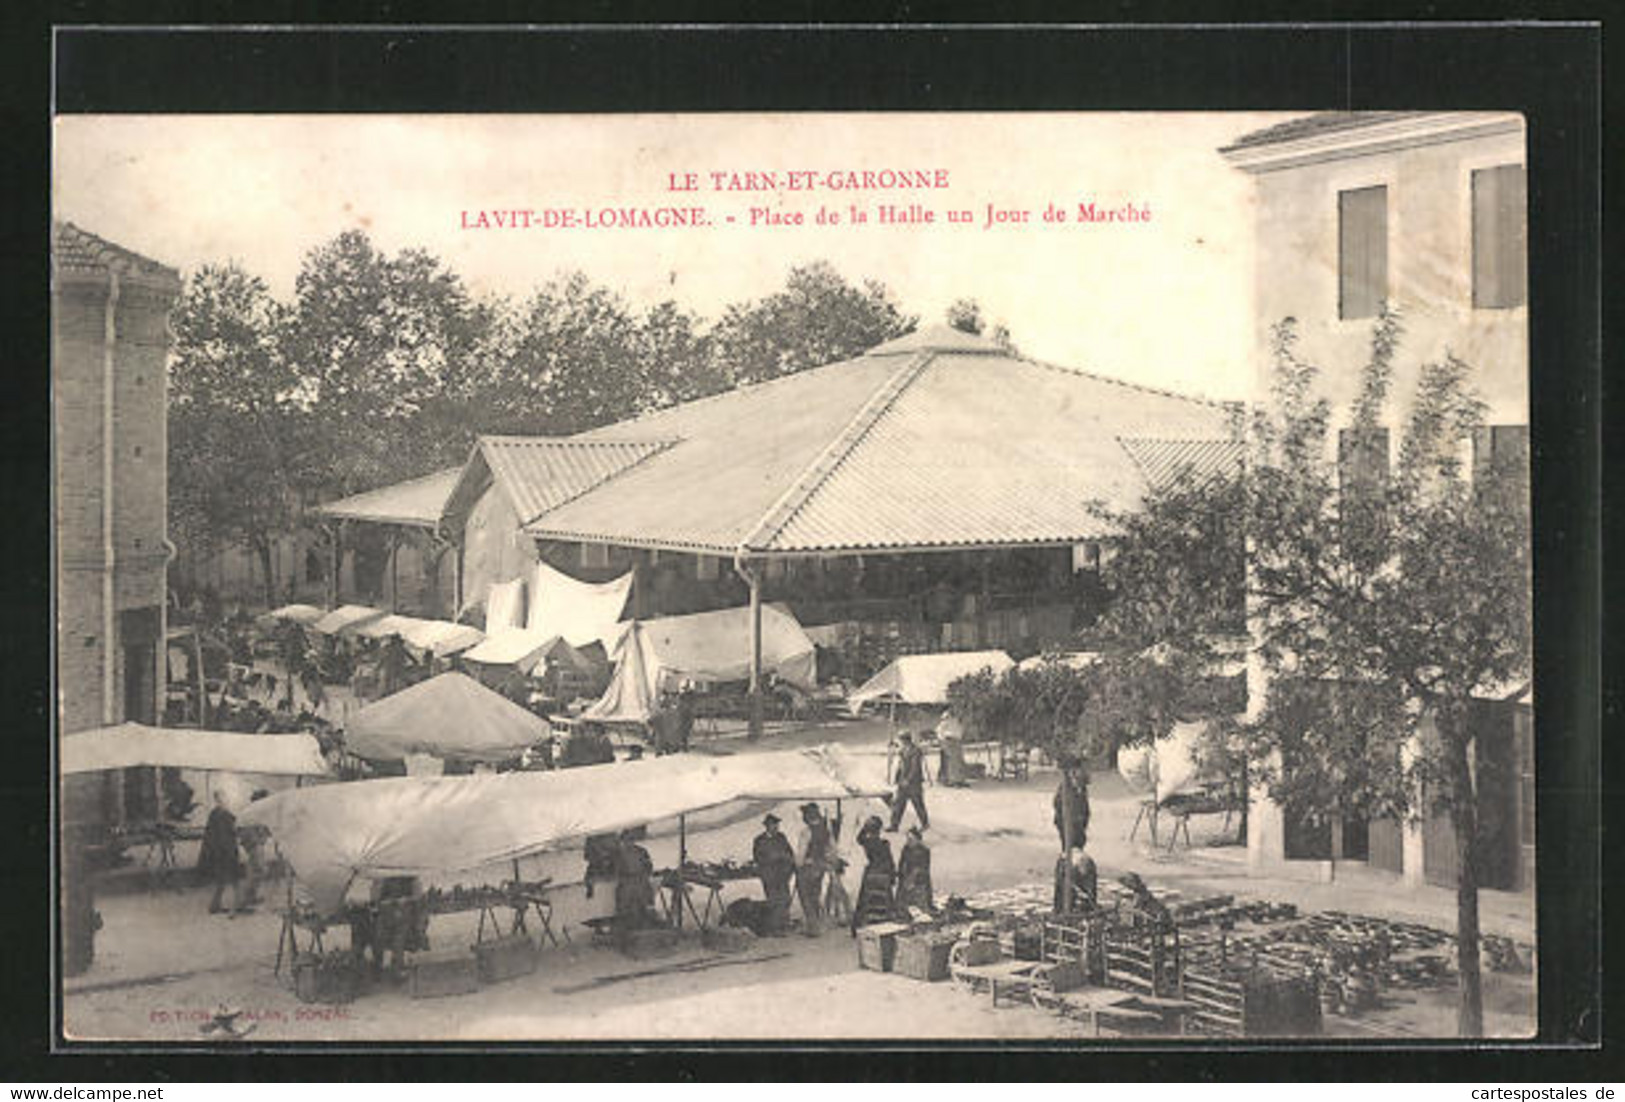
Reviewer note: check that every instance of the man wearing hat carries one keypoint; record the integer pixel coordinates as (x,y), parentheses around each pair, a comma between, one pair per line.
(910,783)
(775,865)
(814,849)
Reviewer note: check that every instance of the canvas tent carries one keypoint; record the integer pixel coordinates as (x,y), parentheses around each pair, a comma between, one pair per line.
(449,716)
(706,647)
(1167,767)
(924,678)
(580,612)
(525,649)
(421,826)
(135,744)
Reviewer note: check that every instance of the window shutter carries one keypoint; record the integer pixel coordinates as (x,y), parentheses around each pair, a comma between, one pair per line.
(1362,224)
(1500,229)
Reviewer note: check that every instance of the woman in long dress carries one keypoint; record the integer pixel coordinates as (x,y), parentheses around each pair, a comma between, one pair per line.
(914,873)
(875,890)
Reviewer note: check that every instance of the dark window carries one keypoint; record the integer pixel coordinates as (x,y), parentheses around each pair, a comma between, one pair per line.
(1362,251)
(1500,279)
(1362,464)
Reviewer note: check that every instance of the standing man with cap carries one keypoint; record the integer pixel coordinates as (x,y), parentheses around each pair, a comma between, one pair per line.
(775,865)
(910,783)
(814,849)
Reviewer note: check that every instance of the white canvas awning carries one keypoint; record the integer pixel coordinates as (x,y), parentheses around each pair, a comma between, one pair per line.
(441,637)
(346,618)
(297,614)
(518,647)
(581,612)
(704,647)
(924,678)
(135,744)
(416,826)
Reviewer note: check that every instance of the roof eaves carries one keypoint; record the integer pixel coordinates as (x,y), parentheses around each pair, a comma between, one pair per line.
(540,531)
(808,483)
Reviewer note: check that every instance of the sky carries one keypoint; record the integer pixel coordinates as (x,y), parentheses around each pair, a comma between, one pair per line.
(1164,300)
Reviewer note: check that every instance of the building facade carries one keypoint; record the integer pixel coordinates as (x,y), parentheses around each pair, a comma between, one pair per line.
(110,341)
(1425,213)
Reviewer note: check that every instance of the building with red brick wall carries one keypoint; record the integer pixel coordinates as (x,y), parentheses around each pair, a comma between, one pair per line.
(110,342)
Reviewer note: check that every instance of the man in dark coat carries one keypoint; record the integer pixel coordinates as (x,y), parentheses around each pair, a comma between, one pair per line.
(217,857)
(1073,777)
(910,783)
(914,873)
(775,865)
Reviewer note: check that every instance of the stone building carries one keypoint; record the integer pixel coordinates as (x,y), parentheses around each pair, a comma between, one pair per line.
(1424,211)
(110,340)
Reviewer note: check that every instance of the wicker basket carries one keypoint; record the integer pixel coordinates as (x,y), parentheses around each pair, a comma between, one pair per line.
(923,957)
(333,978)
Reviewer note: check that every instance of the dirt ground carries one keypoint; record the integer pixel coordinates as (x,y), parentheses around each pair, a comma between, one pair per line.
(162,963)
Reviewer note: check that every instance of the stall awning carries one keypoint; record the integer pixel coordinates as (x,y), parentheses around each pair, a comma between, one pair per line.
(297,614)
(135,744)
(415,826)
(704,647)
(450,716)
(346,618)
(441,637)
(924,678)
(437,637)
(524,648)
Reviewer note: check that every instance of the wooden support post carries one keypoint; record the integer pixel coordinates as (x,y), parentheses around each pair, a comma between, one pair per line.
(336,555)
(457,609)
(394,573)
(755,655)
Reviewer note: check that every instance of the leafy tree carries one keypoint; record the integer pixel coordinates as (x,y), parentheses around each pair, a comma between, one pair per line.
(235,431)
(388,353)
(965,315)
(680,362)
(1380,626)
(818,318)
(576,362)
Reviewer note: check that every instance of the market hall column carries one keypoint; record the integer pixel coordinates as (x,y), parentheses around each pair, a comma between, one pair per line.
(753,578)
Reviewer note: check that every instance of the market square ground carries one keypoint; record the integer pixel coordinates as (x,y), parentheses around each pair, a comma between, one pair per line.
(162,963)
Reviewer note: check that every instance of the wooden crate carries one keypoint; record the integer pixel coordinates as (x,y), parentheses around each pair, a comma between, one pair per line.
(1077,938)
(923,957)
(1257,1003)
(877,945)
(432,975)
(505,958)
(1142,961)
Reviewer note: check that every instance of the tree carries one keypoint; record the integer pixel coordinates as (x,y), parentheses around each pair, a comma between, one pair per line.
(965,315)
(389,356)
(818,318)
(235,429)
(1380,625)
(576,361)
